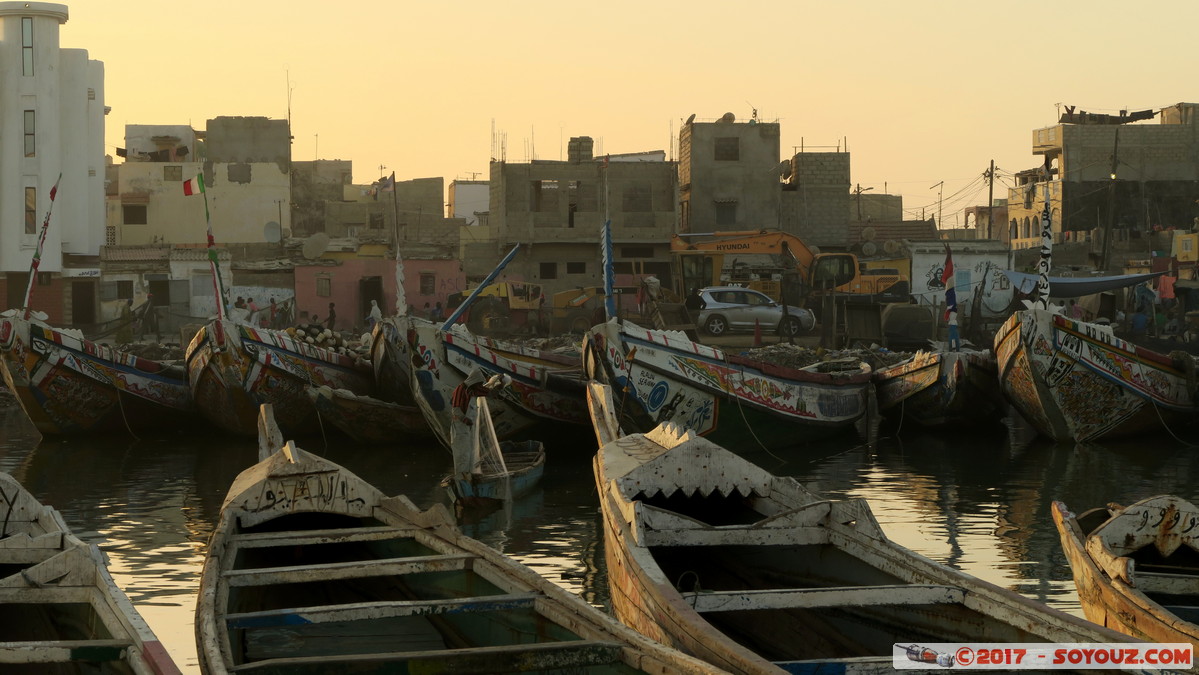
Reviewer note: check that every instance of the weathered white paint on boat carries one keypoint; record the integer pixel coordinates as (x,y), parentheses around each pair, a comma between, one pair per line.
(808,580)
(1116,592)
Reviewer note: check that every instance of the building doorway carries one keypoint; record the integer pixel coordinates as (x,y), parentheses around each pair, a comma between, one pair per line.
(370,288)
(83,303)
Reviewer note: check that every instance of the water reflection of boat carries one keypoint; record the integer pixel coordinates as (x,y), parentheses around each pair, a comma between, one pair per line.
(710,554)
(64,611)
(1077,381)
(1137,567)
(272,598)
(233,368)
(69,385)
(662,376)
(940,388)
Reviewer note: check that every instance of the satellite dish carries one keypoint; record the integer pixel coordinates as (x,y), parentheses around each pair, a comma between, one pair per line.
(315,245)
(690,119)
(891,246)
(272,233)
(869,248)
(867,234)
(785,169)
(728,117)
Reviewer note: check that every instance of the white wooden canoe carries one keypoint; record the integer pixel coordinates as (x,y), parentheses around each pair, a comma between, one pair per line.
(312,570)
(753,573)
(60,610)
(1137,567)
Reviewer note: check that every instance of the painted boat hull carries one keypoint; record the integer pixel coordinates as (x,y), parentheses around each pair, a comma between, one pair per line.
(67,385)
(714,556)
(526,466)
(1113,602)
(405,591)
(366,419)
(392,360)
(234,368)
(72,617)
(1075,381)
(660,376)
(936,389)
(443,359)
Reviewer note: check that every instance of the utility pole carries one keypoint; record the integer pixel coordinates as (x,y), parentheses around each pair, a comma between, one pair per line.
(1111,203)
(858,192)
(940,192)
(990,198)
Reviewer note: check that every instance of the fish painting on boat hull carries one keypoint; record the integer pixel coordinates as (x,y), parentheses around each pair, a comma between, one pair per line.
(68,385)
(659,377)
(1076,381)
(234,368)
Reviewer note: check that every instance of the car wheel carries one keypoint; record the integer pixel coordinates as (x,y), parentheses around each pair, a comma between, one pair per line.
(790,326)
(716,325)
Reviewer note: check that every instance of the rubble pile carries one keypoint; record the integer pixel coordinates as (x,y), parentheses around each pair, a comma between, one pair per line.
(795,356)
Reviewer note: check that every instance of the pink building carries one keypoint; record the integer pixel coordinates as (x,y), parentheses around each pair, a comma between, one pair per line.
(352,284)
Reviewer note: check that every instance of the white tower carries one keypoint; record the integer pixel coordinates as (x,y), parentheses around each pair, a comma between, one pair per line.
(51,121)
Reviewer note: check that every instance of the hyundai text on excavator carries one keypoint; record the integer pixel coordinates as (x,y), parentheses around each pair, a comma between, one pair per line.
(778,264)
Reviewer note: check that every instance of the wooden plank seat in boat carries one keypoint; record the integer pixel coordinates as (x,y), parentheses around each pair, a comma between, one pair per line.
(814,598)
(329,536)
(63,651)
(551,656)
(354,569)
(1165,583)
(377,610)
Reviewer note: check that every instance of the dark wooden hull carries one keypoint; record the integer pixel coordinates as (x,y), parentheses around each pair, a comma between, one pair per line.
(369,420)
(68,385)
(234,368)
(937,389)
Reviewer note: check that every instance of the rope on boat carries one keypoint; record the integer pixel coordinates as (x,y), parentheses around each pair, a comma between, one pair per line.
(1157,409)
(741,372)
(124,418)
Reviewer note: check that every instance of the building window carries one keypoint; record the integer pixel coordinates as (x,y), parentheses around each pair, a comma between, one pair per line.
(728,149)
(428,283)
(638,197)
(376,221)
(582,196)
(110,235)
(133,214)
(324,287)
(124,290)
(576,268)
(544,196)
(726,214)
(27,46)
(548,270)
(30,210)
(172,173)
(30,137)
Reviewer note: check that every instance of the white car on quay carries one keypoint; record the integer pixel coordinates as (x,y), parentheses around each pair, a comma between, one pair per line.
(735,309)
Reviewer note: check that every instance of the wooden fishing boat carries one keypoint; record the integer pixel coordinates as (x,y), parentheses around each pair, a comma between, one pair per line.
(69,385)
(62,611)
(487,470)
(366,419)
(544,387)
(753,573)
(940,388)
(662,376)
(312,570)
(1077,381)
(1137,567)
(233,368)
(392,360)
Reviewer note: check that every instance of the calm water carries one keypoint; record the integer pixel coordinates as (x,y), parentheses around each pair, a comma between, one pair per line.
(979,502)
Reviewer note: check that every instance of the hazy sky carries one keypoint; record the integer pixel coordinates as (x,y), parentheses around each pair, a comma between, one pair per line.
(923,91)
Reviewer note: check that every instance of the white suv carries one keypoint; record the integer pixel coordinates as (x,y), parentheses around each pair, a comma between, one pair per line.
(732,308)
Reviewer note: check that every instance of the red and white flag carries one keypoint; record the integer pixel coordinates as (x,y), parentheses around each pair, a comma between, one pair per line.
(194,186)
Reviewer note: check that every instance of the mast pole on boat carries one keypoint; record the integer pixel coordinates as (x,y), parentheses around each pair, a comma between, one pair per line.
(479,289)
(1040,299)
(606,252)
(37,252)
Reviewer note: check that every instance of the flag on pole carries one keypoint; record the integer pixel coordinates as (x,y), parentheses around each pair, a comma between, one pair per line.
(194,186)
(951,295)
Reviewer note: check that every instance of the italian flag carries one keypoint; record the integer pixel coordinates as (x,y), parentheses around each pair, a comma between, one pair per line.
(194,186)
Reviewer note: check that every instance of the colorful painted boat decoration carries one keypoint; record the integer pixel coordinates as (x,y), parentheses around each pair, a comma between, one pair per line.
(716,557)
(233,368)
(662,376)
(310,569)
(941,388)
(543,388)
(366,419)
(1077,381)
(63,611)
(486,470)
(1135,567)
(69,385)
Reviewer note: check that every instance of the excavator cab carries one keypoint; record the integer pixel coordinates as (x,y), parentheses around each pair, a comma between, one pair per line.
(830,270)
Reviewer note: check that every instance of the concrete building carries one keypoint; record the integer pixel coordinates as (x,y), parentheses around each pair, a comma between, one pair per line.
(468,200)
(1110,171)
(815,200)
(555,209)
(51,123)
(729,175)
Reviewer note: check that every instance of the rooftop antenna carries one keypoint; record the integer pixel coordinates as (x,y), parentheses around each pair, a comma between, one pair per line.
(754,114)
